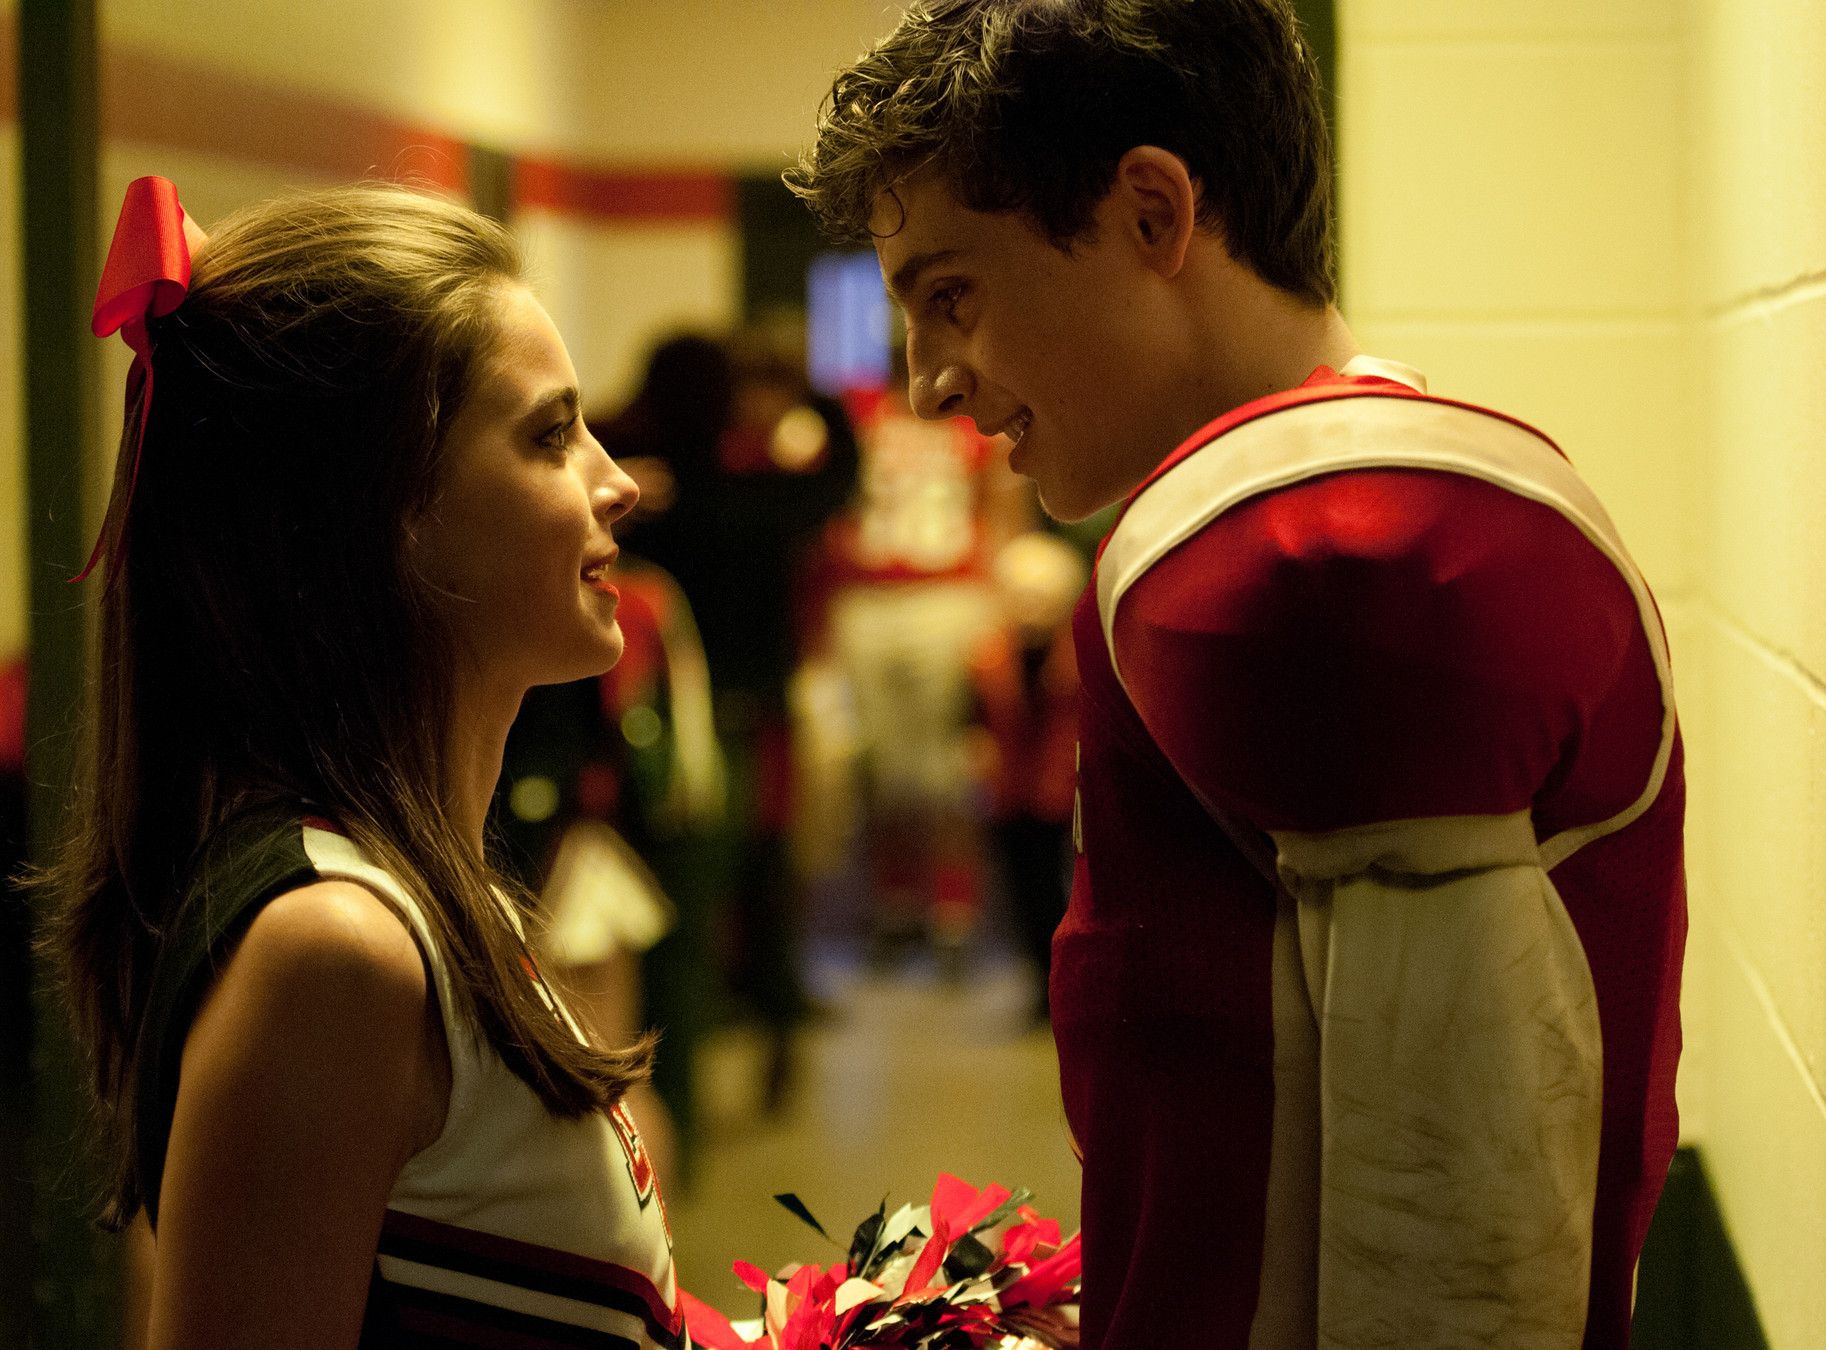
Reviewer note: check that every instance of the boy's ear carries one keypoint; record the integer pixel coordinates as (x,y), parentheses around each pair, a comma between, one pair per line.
(1156,206)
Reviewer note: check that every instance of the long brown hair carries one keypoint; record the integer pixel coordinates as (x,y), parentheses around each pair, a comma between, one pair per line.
(267,639)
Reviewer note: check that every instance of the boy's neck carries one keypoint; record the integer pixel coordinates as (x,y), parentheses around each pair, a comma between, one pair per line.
(1254,339)
(1214,337)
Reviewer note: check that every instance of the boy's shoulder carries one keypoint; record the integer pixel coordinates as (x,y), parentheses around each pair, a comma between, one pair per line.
(1354,475)
(1347,583)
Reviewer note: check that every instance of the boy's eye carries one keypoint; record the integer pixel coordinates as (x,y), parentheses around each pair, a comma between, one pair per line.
(946,297)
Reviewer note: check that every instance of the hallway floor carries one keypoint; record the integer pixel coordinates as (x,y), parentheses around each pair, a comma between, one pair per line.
(910,1077)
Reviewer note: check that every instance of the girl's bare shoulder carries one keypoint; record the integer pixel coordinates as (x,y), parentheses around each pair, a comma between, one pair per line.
(336,941)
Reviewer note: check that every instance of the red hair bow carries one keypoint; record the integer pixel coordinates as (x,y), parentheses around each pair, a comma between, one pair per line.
(147,275)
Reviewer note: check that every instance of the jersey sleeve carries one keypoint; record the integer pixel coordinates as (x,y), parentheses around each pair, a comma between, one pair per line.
(1459,1084)
(1382,671)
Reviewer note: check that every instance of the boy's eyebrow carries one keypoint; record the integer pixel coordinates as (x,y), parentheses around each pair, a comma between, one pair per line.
(902,282)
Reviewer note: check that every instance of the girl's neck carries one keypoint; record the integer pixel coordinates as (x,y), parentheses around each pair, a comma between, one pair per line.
(477,740)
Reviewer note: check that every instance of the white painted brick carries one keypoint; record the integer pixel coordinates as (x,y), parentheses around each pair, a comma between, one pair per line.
(1760,143)
(1756,738)
(1501,178)
(1427,19)
(1700,1055)
(1765,1151)
(1764,521)
(1618,398)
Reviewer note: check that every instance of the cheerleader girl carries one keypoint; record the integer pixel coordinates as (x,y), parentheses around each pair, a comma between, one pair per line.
(355,518)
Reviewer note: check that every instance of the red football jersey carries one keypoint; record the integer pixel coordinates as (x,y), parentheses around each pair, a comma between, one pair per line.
(1367,997)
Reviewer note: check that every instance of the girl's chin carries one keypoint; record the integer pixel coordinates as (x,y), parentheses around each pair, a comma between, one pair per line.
(597,655)
(612,644)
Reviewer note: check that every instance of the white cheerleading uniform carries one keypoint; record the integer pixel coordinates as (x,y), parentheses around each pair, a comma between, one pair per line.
(513,1227)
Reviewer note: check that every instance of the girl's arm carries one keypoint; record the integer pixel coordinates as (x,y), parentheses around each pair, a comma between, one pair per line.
(314,1070)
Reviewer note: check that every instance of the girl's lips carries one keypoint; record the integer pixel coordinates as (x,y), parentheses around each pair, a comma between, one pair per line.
(596,576)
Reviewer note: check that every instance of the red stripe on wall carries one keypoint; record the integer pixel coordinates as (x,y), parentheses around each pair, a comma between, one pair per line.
(154,99)
(9,68)
(614,194)
(159,100)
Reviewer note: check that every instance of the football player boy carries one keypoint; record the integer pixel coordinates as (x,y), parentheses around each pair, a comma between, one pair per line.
(1366,1001)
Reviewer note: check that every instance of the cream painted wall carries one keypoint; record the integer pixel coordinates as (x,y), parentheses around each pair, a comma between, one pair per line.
(612,290)
(1611,219)
(1498,234)
(635,80)
(617,82)
(757,71)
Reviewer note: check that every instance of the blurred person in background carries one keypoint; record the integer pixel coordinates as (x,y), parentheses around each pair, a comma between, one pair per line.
(359,520)
(669,437)
(1024,682)
(750,464)
(1367,994)
(907,568)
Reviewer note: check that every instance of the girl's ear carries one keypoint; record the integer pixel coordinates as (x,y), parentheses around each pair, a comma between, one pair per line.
(1156,205)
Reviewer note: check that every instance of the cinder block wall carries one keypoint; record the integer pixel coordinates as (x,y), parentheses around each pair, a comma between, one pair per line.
(1754,644)
(1513,202)
(1611,220)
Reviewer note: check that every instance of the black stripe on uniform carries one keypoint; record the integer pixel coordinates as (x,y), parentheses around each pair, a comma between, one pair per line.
(419,1319)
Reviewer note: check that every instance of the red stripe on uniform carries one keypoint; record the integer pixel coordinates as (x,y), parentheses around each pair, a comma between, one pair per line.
(516,1260)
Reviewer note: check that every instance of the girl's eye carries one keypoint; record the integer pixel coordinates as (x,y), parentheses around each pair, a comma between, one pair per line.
(947,299)
(559,436)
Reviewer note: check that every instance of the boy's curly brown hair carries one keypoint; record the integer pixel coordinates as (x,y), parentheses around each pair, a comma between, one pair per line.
(1028,105)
